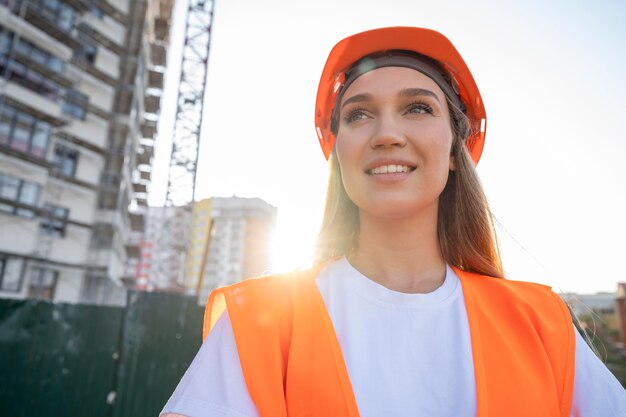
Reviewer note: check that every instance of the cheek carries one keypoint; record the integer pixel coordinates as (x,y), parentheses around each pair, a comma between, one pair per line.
(437,143)
(345,152)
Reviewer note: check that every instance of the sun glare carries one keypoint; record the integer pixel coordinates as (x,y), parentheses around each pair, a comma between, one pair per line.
(293,240)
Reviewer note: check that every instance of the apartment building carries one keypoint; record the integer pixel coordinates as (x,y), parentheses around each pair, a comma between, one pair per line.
(163,249)
(80,88)
(236,238)
(223,240)
(199,240)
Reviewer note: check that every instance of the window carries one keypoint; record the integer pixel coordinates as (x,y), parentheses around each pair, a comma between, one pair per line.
(59,13)
(75,104)
(6,121)
(86,51)
(11,273)
(21,132)
(39,139)
(96,11)
(54,220)
(65,160)
(29,194)
(5,43)
(24,132)
(34,53)
(43,282)
(66,17)
(29,78)
(9,189)
(20,191)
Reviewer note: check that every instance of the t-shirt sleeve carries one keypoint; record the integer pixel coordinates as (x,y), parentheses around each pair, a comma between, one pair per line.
(597,393)
(214,384)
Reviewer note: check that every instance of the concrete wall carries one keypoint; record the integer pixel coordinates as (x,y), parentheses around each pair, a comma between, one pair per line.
(19,234)
(93,130)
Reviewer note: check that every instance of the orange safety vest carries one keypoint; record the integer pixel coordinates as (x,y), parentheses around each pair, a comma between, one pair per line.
(521,334)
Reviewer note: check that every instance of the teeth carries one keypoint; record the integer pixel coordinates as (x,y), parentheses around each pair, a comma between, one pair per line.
(390,169)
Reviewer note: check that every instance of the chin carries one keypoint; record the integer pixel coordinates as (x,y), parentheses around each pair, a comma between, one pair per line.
(391,209)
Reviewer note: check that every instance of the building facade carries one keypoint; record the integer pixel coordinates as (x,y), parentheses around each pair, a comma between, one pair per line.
(163,249)
(230,241)
(80,88)
(222,240)
(199,240)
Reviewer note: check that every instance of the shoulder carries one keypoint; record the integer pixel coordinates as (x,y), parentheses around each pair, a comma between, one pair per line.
(262,301)
(520,291)
(269,286)
(528,301)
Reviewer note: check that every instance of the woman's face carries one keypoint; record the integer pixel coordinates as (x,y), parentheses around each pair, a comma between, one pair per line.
(393,143)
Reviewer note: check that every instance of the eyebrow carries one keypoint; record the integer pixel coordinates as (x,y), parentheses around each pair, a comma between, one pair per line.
(357,99)
(405,92)
(412,92)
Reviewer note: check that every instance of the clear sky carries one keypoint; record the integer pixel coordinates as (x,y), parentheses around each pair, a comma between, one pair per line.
(551,77)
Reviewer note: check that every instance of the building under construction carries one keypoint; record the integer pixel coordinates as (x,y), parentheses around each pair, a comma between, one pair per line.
(235,245)
(80,92)
(218,242)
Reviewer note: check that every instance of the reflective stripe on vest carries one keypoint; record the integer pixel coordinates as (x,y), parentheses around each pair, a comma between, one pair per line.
(522,344)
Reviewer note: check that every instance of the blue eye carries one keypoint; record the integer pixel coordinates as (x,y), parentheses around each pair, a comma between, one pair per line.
(419,108)
(354,115)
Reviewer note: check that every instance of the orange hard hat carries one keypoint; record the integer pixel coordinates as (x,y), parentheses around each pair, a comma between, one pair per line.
(424,42)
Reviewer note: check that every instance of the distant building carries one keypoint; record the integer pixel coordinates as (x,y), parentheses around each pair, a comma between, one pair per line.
(586,304)
(163,247)
(80,89)
(198,243)
(620,304)
(598,315)
(237,247)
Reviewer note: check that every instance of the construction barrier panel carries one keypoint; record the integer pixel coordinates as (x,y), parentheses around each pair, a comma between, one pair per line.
(97,361)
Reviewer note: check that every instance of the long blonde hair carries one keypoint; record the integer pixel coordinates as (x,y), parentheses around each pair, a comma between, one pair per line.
(465,226)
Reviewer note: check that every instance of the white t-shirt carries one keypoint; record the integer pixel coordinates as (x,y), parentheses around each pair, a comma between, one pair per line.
(406,355)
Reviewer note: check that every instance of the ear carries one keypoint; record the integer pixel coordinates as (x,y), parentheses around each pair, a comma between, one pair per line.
(452,163)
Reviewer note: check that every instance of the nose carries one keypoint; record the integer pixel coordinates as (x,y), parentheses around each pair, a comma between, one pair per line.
(388,133)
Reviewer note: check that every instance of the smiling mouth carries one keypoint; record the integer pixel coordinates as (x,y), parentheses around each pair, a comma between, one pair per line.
(390,169)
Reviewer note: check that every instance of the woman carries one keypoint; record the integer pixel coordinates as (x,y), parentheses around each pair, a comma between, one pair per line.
(406,312)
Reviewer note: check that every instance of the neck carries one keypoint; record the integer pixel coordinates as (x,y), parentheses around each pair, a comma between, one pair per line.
(400,254)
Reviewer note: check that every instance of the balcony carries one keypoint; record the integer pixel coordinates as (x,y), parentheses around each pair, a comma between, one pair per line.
(158,54)
(145,175)
(38,103)
(109,10)
(148,128)
(132,251)
(161,28)
(142,200)
(137,222)
(34,58)
(155,79)
(57,21)
(152,103)
(140,187)
(103,40)
(165,8)
(58,77)
(144,158)
(90,69)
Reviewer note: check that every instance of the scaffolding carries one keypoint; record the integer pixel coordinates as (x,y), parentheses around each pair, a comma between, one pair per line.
(186,139)
(190,104)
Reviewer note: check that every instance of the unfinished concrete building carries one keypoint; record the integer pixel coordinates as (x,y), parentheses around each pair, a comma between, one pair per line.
(80,89)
